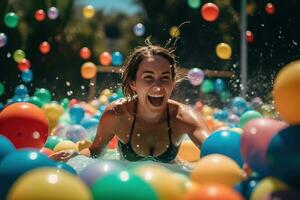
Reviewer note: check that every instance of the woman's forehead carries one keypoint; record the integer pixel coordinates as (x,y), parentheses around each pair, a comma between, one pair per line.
(154,64)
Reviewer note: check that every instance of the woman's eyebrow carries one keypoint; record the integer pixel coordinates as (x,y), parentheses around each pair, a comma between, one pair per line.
(151,72)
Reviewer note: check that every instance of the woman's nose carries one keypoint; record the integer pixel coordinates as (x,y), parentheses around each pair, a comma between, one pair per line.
(157,88)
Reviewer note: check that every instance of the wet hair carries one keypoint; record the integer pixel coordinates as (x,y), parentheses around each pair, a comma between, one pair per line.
(133,61)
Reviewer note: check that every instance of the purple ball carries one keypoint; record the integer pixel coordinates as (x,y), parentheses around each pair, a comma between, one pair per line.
(99,169)
(195,76)
(53,13)
(3,39)
(76,133)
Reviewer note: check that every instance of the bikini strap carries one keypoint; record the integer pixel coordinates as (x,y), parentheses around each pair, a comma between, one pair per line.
(169,124)
(133,123)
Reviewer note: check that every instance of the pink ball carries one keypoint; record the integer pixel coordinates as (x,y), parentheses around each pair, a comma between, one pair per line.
(255,141)
(195,76)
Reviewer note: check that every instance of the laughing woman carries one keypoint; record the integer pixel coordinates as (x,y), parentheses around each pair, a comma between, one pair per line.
(147,122)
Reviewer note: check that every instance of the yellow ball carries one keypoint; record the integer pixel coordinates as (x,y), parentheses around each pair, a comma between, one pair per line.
(267,186)
(188,151)
(223,51)
(237,130)
(83,144)
(286,93)
(217,168)
(65,145)
(106,92)
(88,11)
(53,111)
(207,111)
(174,31)
(103,99)
(88,70)
(50,184)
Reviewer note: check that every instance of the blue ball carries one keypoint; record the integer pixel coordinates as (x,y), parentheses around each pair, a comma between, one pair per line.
(113,97)
(101,108)
(225,142)
(19,162)
(117,58)
(1,106)
(219,85)
(89,122)
(26,76)
(239,105)
(76,113)
(21,90)
(6,147)
(66,167)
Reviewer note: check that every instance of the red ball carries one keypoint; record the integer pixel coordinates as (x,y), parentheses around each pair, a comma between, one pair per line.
(270,8)
(24,65)
(249,36)
(85,53)
(39,15)
(73,102)
(210,12)
(44,47)
(46,151)
(24,124)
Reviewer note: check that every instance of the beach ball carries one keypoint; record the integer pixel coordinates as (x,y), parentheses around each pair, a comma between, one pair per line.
(283,155)
(223,51)
(117,58)
(270,8)
(286,92)
(267,186)
(24,64)
(24,124)
(11,20)
(85,53)
(249,36)
(26,76)
(88,70)
(195,76)
(19,55)
(44,47)
(224,142)
(17,163)
(122,185)
(50,184)
(3,39)
(218,169)
(255,140)
(210,12)
(88,11)
(39,15)
(52,13)
(213,191)
(194,3)
(139,29)
(6,147)
(105,58)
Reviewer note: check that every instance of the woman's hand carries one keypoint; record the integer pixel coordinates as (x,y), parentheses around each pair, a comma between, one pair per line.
(63,156)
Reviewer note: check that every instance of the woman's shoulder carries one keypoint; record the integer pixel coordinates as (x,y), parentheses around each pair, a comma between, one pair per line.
(120,106)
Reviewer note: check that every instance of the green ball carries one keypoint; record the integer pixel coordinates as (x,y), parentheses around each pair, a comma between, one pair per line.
(1,88)
(52,141)
(207,86)
(194,3)
(11,20)
(19,55)
(65,103)
(36,101)
(247,116)
(122,185)
(225,96)
(44,95)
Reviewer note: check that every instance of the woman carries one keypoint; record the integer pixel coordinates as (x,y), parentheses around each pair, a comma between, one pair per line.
(147,122)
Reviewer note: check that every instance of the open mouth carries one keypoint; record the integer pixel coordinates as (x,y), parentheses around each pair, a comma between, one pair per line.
(156,100)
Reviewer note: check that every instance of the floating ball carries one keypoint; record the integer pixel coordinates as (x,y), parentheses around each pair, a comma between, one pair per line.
(24,64)
(24,124)
(19,55)
(195,76)
(88,11)
(26,76)
(223,51)
(85,53)
(194,3)
(11,20)
(139,29)
(249,36)
(174,31)
(44,47)
(105,58)
(270,8)
(286,92)
(3,39)
(117,58)
(52,13)
(210,12)
(39,15)
(88,70)
(207,86)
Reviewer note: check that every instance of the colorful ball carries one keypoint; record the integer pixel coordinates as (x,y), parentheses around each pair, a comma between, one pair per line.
(65,145)
(188,151)
(65,167)
(24,124)
(19,55)
(88,11)
(6,147)
(11,20)
(85,53)
(207,86)
(39,15)
(117,58)
(76,133)
(76,113)
(52,13)
(26,76)
(3,39)
(223,51)
(248,116)
(194,3)
(44,47)
(24,64)
(139,29)
(105,58)
(286,93)
(210,12)
(249,36)
(195,76)
(270,8)
(88,70)
(43,94)
(52,141)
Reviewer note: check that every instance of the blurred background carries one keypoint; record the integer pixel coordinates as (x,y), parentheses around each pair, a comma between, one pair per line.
(67,26)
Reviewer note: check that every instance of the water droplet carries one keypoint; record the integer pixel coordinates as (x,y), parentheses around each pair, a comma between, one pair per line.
(68,83)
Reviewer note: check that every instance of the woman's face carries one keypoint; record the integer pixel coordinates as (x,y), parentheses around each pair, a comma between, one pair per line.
(153,84)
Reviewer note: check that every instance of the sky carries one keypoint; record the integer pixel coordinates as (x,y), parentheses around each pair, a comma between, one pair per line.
(126,6)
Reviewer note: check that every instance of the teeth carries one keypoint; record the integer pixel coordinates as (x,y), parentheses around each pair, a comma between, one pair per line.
(156,96)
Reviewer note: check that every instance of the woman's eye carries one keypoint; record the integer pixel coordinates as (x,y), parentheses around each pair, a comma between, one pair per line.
(165,78)
(148,78)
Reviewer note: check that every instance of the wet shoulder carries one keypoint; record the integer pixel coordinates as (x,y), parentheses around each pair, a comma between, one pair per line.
(122,106)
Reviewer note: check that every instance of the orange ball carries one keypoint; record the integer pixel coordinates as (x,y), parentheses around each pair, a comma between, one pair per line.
(88,70)
(213,191)
(105,58)
(188,151)
(24,124)
(46,151)
(44,47)
(210,12)
(85,53)
(286,93)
